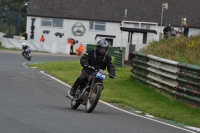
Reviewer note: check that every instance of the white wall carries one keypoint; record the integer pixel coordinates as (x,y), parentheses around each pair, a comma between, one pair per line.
(1,36)
(88,37)
(52,47)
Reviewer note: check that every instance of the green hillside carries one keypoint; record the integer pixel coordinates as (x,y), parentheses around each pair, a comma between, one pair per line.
(182,49)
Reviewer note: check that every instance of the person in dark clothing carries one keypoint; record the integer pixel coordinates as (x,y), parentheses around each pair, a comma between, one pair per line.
(186,30)
(167,31)
(96,58)
(24,47)
(25,35)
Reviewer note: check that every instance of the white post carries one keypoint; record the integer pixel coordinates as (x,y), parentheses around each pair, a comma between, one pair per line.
(121,34)
(181,21)
(161,21)
(121,39)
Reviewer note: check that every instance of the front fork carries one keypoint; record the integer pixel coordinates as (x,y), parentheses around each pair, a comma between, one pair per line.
(92,89)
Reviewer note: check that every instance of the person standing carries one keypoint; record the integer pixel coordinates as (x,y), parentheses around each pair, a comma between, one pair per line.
(167,31)
(25,35)
(42,38)
(186,30)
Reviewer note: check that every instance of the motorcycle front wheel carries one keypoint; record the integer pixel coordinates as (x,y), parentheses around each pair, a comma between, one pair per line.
(93,99)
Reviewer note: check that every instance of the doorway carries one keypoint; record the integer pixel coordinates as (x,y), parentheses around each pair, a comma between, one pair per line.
(110,41)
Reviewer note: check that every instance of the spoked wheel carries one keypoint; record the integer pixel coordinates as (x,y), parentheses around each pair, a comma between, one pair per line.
(93,99)
(74,104)
(28,57)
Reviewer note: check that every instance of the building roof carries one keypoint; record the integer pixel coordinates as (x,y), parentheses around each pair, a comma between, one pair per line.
(136,30)
(114,10)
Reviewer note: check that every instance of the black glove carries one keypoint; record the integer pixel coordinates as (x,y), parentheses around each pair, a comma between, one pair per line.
(91,67)
(85,65)
(112,76)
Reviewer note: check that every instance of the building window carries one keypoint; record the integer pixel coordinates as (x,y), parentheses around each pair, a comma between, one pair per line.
(52,22)
(97,25)
(57,22)
(46,22)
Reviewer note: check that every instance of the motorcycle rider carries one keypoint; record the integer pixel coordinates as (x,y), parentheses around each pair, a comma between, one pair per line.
(95,58)
(24,47)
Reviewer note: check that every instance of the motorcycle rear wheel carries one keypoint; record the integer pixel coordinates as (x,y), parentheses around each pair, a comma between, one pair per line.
(93,100)
(28,56)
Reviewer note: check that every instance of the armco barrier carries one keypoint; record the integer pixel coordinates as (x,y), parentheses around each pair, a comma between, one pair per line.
(181,80)
(111,50)
(119,59)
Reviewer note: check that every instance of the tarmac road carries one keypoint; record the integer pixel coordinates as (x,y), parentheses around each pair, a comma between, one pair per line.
(32,102)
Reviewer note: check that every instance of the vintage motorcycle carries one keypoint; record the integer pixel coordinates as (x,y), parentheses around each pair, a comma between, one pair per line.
(27,54)
(89,93)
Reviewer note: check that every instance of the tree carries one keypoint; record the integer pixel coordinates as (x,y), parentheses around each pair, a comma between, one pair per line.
(18,7)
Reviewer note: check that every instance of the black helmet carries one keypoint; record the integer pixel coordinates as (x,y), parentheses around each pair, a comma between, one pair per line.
(102,46)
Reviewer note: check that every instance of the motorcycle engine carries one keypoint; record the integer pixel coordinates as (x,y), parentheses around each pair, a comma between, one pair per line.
(85,95)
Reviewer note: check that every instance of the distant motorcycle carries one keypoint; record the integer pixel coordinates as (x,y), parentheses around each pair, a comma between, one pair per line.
(27,54)
(89,93)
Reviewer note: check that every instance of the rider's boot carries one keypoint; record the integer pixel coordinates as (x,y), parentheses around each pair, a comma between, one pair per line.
(71,93)
(76,84)
(69,96)
(23,55)
(73,89)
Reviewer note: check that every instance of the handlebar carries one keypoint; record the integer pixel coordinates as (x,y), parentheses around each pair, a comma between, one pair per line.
(92,68)
(111,75)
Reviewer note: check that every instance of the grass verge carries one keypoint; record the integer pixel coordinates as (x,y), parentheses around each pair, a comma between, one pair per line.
(128,92)
(182,49)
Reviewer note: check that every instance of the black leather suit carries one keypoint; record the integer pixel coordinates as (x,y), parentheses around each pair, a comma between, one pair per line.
(98,61)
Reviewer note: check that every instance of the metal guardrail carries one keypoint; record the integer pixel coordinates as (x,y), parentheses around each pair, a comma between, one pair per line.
(111,50)
(180,80)
(119,59)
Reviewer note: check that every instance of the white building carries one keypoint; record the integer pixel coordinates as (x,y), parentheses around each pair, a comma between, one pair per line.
(87,21)
(87,31)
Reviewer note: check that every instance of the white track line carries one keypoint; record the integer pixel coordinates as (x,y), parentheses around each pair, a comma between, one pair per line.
(24,64)
(55,79)
(121,109)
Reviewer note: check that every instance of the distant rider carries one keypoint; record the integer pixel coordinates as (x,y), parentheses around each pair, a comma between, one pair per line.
(24,47)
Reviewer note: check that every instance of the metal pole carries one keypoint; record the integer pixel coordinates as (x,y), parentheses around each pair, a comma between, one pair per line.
(121,39)
(19,18)
(9,21)
(181,21)
(161,20)
(1,21)
(121,35)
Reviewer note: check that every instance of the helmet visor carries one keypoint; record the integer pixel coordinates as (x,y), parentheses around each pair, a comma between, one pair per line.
(102,50)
